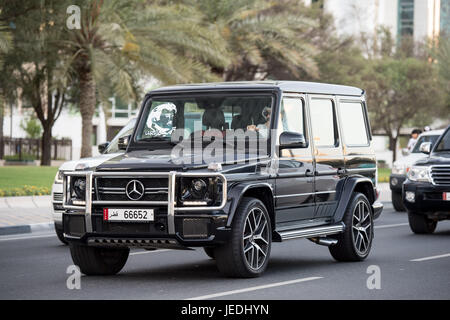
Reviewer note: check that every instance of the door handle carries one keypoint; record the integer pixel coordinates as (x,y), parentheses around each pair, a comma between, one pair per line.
(341,171)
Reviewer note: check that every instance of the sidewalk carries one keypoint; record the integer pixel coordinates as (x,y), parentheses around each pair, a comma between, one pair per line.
(19,214)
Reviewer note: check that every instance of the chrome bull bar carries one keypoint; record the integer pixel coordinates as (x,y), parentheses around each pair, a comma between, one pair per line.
(171,199)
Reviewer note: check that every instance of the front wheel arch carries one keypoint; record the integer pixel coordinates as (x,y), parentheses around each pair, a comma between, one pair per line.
(261,191)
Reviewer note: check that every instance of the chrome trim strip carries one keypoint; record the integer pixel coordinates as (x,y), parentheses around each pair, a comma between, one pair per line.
(303,194)
(88,200)
(320,192)
(294,195)
(70,237)
(171,206)
(155,203)
(360,169)
(312,232)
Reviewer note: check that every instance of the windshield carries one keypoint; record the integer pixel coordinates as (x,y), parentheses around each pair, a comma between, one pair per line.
(204,114)
(125,131)
(423,139)
(208,127)
(444,143)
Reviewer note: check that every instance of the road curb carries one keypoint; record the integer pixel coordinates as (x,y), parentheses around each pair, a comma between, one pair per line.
(28,228)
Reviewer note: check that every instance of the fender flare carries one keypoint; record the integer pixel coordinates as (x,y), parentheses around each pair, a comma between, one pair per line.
(345,193)
(236,193)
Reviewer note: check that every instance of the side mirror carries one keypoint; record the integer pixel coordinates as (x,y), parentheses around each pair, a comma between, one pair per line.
(102,146)
(405,151)
(123,142)
(291,140)
(425,147)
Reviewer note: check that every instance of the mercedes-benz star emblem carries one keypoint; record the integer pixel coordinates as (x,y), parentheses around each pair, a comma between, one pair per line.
(135,190)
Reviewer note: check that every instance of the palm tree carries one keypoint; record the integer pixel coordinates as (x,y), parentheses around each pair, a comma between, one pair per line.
(264,36)
(5,41)
(5,45)
(122,41)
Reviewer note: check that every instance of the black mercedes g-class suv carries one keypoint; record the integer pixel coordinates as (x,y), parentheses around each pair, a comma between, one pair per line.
(232,168)
(426,192)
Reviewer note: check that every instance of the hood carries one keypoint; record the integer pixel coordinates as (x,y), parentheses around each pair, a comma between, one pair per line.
(91,162)
(437,158)
(410,159)
(157,160)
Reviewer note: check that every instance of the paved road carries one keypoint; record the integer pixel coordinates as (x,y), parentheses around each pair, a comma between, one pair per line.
(35,268)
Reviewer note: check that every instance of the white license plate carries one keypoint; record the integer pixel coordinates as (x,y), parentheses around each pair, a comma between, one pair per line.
(141,215)
(446,196)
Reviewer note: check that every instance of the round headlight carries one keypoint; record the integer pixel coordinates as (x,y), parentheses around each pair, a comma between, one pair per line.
(79,186)
(198,187)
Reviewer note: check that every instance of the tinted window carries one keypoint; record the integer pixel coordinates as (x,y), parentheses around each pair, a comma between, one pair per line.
(353,123)
(203,112)
(291,116)
(323,122)
(444,143)
(423,139)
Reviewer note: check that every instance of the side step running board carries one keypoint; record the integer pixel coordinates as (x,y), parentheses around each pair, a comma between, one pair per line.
(312,232)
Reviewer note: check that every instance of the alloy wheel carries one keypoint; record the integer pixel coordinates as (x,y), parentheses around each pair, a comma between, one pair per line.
(362,228)
(255,239)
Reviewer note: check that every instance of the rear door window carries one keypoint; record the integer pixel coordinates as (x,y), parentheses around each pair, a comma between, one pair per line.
(323,123)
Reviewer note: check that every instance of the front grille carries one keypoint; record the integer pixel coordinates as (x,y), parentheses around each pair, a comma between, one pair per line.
(113,189)
(57,197)
(440,175)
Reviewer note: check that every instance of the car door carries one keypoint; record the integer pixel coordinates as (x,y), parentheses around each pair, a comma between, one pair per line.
(359,156)
(327,151)
(294,180)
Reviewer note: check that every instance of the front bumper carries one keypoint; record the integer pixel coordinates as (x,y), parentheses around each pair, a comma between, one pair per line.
(396,182)
(173,227)
(190,231)
(428,198)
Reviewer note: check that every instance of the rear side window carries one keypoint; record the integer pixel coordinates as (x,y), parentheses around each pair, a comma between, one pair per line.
(353,123)
(323,123)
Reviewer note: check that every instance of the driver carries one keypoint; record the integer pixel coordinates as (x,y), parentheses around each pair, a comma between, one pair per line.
(263,128)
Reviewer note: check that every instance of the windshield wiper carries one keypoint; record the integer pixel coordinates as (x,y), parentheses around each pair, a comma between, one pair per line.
(156,138)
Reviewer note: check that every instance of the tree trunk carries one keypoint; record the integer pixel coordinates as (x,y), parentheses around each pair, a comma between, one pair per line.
(1,128)
(87,109)
(393,147)
(46,145)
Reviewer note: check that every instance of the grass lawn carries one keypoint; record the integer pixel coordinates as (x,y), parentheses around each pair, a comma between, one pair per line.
(12,177)
(383,174)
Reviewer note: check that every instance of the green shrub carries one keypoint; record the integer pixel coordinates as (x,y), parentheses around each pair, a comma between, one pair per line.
(25,191)
(25,157)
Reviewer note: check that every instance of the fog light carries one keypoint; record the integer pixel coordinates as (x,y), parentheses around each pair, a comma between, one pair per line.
(410,196)
(394,181)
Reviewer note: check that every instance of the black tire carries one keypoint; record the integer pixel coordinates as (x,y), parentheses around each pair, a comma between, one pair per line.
(60,234)
(98,261)
(397,201)
(246,235)
(420,224)
(210,252)
(351,241)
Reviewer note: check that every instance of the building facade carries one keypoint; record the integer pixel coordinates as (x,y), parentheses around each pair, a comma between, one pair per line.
(421,19)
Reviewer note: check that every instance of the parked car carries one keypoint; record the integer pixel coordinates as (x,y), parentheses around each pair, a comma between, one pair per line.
(398,175)
(426,192)
(107,150)
(300,165)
